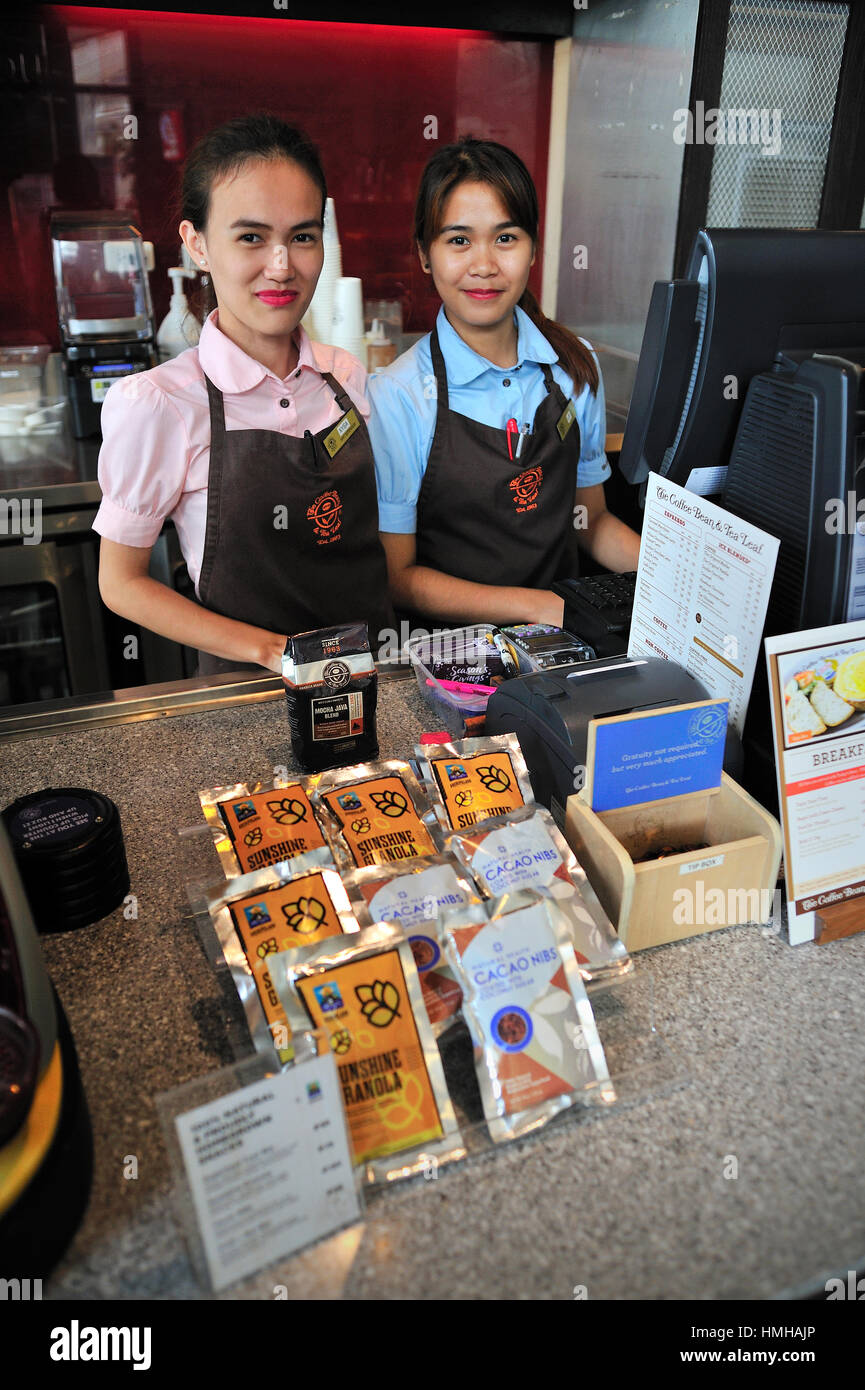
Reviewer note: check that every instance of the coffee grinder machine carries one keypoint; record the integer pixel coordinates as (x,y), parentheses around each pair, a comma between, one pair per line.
(103,305)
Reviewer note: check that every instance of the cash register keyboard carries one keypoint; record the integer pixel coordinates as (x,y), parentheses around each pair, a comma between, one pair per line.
(598,609)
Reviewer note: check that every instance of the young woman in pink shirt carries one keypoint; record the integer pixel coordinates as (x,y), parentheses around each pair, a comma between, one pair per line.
(255,441)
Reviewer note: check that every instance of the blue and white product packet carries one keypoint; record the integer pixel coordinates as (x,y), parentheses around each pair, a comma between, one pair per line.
(528,851)
(537,1048)
(416,897)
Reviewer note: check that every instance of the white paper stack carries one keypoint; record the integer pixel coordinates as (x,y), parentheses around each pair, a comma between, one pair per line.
(321,307)
(348,326)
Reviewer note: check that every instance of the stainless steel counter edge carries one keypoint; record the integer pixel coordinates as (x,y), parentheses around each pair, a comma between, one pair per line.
(130,706)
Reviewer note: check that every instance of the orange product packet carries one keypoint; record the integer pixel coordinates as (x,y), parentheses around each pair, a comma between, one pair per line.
(417,897)
(364,993)
(262,824)
(276,909)
(375,814)
(475,779)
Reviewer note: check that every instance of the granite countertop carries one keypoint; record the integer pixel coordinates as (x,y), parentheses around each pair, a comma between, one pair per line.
(767,1049)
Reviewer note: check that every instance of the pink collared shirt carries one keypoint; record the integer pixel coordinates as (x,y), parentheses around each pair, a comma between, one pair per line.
(156,430)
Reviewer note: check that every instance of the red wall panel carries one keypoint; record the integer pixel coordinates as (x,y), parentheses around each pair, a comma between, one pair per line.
(363,92)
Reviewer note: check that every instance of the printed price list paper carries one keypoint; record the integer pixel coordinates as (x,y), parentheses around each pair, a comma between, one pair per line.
(269,1169)
(702,590)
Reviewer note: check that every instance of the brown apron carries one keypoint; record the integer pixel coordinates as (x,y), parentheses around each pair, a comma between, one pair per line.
(292,540)
(486,518)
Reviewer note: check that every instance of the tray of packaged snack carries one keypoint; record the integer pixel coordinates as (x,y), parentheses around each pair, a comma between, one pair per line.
(457,671)
(434,921)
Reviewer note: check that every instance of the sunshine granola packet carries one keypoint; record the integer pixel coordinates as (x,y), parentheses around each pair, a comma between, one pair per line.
(537,1048)
(365,993)
(293,903)
(475,779)
(527,850)
(375,813)
(416,896)
(256,824)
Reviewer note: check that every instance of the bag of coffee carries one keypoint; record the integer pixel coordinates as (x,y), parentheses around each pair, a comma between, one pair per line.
(331,686)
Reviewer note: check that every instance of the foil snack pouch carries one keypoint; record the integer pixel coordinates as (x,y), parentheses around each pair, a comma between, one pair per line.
(528,851)
(331,688)
(537,1049)
(375,813)
(364,992)
(257,824)
(293,904)
(475,779)
(416,898)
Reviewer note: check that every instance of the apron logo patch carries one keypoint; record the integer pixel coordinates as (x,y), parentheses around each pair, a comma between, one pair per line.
(525,488)
(326,516)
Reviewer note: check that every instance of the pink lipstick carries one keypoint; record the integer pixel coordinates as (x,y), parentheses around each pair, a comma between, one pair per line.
(278,298)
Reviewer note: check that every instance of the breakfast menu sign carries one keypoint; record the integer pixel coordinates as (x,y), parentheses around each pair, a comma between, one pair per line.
(817,689)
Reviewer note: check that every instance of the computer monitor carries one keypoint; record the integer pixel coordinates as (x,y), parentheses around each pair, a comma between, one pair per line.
(747,295)
(751,389)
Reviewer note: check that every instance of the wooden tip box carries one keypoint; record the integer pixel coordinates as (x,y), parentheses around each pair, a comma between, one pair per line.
(678,896)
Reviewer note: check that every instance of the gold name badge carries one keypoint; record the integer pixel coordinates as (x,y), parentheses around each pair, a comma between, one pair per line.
(566,419)
(342,431)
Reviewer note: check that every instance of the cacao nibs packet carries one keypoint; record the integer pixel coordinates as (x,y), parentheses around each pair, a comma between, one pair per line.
(376,813)
(475,779)
(291,904)
(528,851)
(364,992)
(537,1049)
(257,824)
(416,897)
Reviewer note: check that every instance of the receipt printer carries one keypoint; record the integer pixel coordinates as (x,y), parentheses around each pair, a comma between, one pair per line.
(550,711)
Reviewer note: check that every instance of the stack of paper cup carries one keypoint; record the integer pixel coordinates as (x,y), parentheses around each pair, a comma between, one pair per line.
(321,307)
(348,316)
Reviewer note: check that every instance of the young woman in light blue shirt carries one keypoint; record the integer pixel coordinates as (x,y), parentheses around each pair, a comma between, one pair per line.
(488,434)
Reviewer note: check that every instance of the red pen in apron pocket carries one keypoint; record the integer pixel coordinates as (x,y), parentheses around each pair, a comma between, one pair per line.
(511,428)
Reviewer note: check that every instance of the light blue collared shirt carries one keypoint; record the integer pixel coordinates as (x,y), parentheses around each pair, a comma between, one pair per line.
(403,411)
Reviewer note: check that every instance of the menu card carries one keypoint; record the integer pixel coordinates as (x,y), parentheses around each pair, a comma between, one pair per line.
(702,590)
(269,1168)
(817,690)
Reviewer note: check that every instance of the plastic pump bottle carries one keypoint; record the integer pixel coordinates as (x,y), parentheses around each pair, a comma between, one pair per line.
(180,328)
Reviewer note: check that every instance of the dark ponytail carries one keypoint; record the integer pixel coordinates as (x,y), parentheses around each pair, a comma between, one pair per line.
(224,150)
(574,356)
(486,161)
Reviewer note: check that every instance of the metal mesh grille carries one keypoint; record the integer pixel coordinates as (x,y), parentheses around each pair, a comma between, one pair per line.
(777,98)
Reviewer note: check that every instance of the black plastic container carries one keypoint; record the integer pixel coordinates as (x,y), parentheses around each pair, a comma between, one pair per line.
(68,844)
